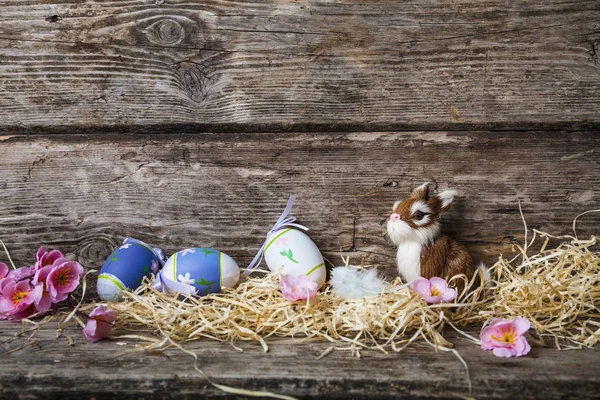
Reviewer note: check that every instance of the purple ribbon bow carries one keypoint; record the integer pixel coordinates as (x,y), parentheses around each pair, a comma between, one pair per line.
(283,221)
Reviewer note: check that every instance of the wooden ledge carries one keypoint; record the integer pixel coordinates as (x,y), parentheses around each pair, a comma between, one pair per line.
(50,368)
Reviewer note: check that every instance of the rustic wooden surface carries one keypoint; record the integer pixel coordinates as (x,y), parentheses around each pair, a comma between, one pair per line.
(168,65)
(83,194)
(187,123)
(48,367)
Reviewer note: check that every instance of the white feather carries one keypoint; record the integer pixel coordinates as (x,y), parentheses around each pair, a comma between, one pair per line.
(353,283)
(487,275)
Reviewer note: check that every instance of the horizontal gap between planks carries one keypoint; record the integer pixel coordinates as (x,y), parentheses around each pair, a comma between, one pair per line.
(300,128)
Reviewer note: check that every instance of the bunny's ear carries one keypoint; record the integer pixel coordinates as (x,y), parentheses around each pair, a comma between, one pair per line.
(422,192)
(446,199)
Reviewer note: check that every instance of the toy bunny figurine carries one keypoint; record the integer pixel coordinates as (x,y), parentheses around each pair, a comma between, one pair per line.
(422,251)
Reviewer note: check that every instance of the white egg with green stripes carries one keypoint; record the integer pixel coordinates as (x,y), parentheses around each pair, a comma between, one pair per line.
(294,253)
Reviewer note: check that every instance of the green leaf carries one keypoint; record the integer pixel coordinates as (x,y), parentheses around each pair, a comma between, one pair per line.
(204,282)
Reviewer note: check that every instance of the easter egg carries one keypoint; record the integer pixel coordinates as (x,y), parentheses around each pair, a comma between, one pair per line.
(206,270)
(125,268)
(294,252)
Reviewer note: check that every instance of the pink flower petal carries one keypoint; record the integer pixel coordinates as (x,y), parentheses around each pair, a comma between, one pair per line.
(299,287)
(485,337)
(50,258)
(40,253)
(96,330)
(504,352)
(3,283)
(433,299)
(41,298)
(438,283)
(41,274)
(59,261)
(99,324)
(448,294)
(501,325)
(103,314)
(521,325)
(422,286)
(521,347)
(6,304)
(3,270)
(21,273)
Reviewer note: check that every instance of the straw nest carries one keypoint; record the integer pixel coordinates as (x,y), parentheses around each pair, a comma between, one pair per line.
(557,289)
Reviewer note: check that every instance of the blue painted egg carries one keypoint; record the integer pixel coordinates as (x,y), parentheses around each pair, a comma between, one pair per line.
(126,267)
(206,270)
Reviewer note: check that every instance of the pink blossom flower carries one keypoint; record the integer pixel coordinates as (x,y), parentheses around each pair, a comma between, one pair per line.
(41,296)
(63,279)
(45,258)
(16,298)
(434,290)
(99,324)
(505,337)
(299,287)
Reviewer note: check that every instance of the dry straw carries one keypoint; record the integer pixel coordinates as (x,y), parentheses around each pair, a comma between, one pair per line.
(557,289)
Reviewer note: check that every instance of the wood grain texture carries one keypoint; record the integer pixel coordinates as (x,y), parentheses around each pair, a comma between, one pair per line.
(168,65)
(51,369)
(85,193)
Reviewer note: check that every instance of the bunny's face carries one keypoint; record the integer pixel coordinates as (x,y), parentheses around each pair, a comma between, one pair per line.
(417,217)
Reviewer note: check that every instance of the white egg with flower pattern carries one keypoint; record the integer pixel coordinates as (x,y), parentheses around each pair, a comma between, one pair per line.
(293,253)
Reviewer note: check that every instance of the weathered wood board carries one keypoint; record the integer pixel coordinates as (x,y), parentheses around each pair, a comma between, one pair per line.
(49,368)
(226,108)
(168,65)
(85,193)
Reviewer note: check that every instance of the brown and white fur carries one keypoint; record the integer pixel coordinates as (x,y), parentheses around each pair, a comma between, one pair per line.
(422,250)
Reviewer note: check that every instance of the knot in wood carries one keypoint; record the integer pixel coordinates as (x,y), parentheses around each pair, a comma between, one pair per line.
(165,32)
(94,248)
(594,52)
(193,80)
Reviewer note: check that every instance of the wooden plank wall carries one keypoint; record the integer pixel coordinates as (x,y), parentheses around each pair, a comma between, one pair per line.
(84,193)
(188,123)
(237,105)
(172,65)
